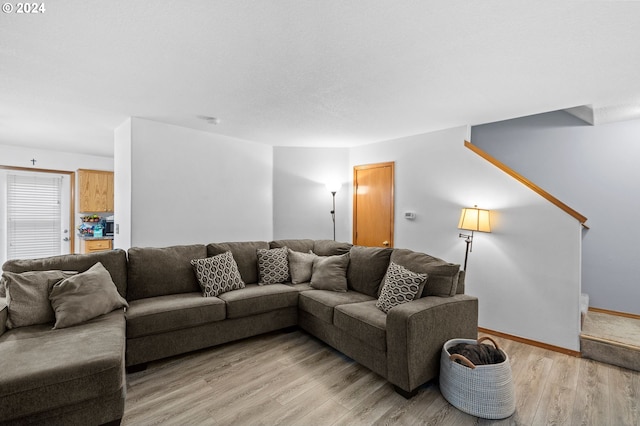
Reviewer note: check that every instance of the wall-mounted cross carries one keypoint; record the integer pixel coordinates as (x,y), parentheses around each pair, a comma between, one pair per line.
(33,161)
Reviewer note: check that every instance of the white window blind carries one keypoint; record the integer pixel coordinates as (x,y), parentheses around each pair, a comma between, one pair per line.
(34,216)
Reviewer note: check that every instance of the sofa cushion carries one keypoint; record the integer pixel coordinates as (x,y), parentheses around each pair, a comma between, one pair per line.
(300,266)
(320,303)
(443,276)
(245,254)
(85,296)
(400,286)
(273,265)
(330,272)
(43,369)
(161,271)
(330,247)
(367,267)
(217,274)
(255,299)
(363,321)
(303,246)
(28,297)
(114,260)
(155,315)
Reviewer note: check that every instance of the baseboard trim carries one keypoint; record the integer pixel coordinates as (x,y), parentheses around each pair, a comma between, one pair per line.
(616,313)
(531,342)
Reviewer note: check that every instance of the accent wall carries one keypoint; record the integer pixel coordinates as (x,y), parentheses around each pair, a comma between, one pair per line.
(593,169)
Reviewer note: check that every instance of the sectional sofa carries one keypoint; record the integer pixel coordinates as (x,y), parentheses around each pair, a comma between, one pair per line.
(76,375)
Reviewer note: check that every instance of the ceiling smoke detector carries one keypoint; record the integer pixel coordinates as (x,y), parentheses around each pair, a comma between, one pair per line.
(209,119)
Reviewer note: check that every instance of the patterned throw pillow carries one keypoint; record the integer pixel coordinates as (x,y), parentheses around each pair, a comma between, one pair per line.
(400,286)
(273,266)
(217,274)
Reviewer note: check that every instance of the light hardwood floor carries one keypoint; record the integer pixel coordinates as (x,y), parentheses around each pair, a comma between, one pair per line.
(295,379)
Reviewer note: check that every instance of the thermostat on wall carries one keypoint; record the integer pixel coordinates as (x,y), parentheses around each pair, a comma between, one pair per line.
(409,215)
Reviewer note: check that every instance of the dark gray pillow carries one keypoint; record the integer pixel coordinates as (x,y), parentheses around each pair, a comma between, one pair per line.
(443,276)
(28,296)
(367,267)
(300,266)
(245,255)
(85,296)
(330,273)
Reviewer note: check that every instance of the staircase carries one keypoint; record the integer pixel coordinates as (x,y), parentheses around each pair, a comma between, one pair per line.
(611,339)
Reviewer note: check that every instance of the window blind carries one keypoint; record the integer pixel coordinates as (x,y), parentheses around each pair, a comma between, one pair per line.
(34,216)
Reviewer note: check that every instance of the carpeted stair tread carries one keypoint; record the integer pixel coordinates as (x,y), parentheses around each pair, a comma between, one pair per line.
(611,339)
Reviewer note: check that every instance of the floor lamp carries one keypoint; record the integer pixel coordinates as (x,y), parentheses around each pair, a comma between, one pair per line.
(472,219)
(333,188)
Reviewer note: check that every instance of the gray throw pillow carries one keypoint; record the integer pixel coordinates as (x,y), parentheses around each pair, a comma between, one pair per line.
(218,274)
(330,273)
(300,266)
(85,296)
(28,296)
(400,286)
(273,265)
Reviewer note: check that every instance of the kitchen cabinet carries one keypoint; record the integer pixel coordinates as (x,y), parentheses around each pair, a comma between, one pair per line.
(92,246)
(96,190)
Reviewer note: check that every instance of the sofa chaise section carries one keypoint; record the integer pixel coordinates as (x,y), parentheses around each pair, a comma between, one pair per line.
(71,375)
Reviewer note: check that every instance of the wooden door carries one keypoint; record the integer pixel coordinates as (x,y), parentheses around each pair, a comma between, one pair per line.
(373,205)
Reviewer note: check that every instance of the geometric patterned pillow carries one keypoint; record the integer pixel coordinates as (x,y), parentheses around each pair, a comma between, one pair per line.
(273,265)
(400,286)
(217,274)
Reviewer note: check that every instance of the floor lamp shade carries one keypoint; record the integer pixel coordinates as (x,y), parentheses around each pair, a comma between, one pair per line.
(474,219)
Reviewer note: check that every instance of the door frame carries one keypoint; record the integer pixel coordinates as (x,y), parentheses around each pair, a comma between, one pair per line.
(72,196)
(393,199)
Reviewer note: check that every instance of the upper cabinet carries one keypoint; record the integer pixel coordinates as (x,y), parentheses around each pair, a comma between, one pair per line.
(96,190)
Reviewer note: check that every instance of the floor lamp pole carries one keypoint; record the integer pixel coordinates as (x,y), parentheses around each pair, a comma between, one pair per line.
(469,241)
(333,214)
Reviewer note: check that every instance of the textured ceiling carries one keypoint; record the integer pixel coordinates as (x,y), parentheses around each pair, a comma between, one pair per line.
(306,73)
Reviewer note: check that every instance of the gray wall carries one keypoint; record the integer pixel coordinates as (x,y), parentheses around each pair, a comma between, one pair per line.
(596,171)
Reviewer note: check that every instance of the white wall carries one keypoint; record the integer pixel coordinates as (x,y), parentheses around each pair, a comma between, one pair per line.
(189,186)
(301,202)
(526,273)
(122,185)
(16,156)
(594,169)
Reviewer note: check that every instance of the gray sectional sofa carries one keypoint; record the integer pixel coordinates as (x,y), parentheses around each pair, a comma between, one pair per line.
(76,375)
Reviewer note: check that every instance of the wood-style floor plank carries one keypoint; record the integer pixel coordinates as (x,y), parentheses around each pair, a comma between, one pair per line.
(295,379)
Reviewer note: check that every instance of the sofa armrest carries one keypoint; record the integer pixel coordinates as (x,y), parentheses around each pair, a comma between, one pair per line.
(416,332)
(3,315)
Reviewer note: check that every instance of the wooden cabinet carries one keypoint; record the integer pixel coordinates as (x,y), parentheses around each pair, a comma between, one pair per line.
(96,190)
(91,246)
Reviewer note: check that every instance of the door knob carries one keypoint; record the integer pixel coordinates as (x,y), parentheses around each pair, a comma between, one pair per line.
(65,239)
(385,243)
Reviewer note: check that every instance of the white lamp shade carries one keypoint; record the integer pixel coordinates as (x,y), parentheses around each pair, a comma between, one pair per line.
(333,186)
(475,219)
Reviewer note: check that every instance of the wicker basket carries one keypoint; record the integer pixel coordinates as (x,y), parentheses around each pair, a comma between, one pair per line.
(484,391)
